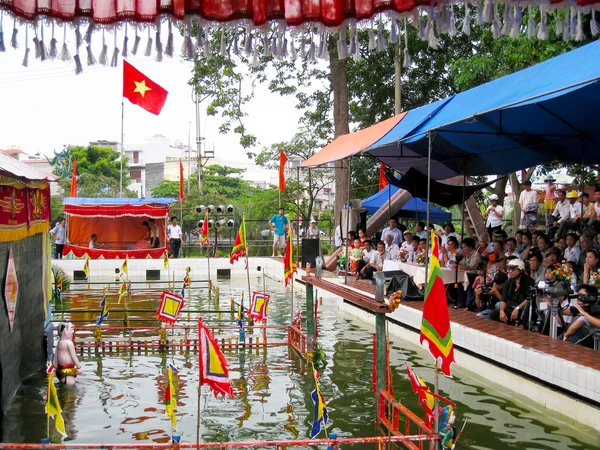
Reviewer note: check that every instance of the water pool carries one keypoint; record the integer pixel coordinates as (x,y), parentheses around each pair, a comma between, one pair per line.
(121,397)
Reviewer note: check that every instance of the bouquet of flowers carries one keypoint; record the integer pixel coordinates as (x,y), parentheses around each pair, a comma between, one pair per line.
(395,300)
(562,272)
(595,278)
(403,254)
(420,258)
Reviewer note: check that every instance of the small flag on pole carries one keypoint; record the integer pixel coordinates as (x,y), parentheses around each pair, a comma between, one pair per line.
(239,246)
(180,182)
(86,267)
(74,179)
(124,266)
(53,408)
(289,268)
(170,402)
(283,159)
(259,306)
(383,182)
(186,282)
(169,308)
(321,416)
(204,231)
(214,370)
(166,260)
(103,310)
(123,289)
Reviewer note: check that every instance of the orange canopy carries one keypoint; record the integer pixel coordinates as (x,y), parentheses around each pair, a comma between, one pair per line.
(353,143)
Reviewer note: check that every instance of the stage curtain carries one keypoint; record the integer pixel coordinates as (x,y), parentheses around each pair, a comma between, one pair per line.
(118,233)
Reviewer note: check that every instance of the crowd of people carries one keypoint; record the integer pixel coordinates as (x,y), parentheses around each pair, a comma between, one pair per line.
(507,275)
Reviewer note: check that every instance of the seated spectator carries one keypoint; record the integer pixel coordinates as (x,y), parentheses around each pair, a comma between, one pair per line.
(94,242)
(519,239)
(500,235)
(526,246)
(355,255)
(375,263)
(510,248)
(368,255)
(414,249)
(485,246)
(560,215)
(588,210)
(561,244)
(585,243)
(352,237)
(408,237)
(591,267)
(362,235)
(572,252)
(495,258)
(481,279)
(470,256)
(448,257)
(420,230)
(391,247)
(514,294)
(489,296)
(582,330)
(553,257)
(543,244)
(536,268)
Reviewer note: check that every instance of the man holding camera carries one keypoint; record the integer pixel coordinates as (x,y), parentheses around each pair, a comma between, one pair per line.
(582,330)
(514,294)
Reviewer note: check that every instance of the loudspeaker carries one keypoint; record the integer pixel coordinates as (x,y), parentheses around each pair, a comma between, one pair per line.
(224,273)
(310,251)
(79,275)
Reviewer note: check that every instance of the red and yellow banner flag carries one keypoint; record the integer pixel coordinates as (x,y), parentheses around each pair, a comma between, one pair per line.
(142,91)
(289,268)
(170,402)
(53,408)
(166,260)
(435,326)
(383,182)
(283,159)
(124,266)
(214,370)
(74,179)
(86,267)
(239,246)
(180,182)
(204,231)
(259,306)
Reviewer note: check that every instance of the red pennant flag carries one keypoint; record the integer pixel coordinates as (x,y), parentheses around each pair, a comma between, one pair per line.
(204,231)
(435,326)
(180,182)
(289,268)
(282,162)
(214,370)
(141,90)
(383,182)
(74,179)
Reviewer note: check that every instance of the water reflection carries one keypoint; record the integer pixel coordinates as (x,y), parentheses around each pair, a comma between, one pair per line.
(121,398)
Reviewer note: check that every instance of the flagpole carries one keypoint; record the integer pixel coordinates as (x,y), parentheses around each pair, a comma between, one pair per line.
(292,270)
(122,132)
(199,382)
(247,265)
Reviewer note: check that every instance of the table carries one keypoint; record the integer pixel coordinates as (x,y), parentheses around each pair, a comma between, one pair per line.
(417,272)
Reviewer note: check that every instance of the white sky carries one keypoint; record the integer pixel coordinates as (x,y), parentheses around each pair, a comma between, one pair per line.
(46,106)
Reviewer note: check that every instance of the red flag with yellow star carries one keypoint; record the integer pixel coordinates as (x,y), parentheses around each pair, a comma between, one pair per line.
(141,90)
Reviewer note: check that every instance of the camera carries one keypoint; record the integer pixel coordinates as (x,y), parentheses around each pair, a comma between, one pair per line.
(554,289)
(486,288)
(590,305)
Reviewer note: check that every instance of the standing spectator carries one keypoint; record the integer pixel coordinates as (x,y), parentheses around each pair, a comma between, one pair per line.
(279,224)
(549,199)
(394,231)
(313,231)
(529,205)
(59,233)
(175,238)
(572,252)
(391,247)
(420,230)
(337,236)
(154,234)
(514,294)
(594,222)
(494,214)
(561,213)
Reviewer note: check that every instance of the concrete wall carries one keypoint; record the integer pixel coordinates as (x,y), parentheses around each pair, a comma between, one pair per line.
(155,174)
(21,351)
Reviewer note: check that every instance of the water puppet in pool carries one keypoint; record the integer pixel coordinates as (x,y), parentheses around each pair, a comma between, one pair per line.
(66,356)
(447,430)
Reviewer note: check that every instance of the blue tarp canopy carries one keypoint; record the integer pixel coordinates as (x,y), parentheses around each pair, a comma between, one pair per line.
(543,113)
(117,201)
(414,209)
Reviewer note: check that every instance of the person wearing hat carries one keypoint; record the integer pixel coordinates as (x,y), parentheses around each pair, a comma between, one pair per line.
(394,231)
(494,214)
(407,243)
(313,231)
(514,294)
(549,199)
(574,215)
(528,200)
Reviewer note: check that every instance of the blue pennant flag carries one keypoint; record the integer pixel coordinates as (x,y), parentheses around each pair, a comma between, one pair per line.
(321,417)
(103,310)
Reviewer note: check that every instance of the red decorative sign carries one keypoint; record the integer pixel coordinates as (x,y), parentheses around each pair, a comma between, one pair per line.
(11,289)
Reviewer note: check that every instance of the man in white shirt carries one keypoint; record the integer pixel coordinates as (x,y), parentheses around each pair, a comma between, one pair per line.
(338,236)
(510,246)
(154,234)
(394,231)
(420,230)
(561,213)
(59,233)
(528,201)
(494,214)
(391,247)
(572,216)
(175,238)
(572,252)
(375,263)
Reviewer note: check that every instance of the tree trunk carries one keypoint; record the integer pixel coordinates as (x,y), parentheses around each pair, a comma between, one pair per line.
(339,85)
(516,189)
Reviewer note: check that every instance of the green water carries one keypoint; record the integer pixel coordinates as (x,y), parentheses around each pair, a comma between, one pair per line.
(120,398)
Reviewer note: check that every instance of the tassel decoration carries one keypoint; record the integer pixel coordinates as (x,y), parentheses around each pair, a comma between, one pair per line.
(13,40)
(466,26)
(114,61)
(516,28)
(148,51)
(91,60)
(407,60)
(293,51)
(125,44)
(558,25)
(236,47)
(78,66)
(579,32)
(2,47)
(394,32)
(187,49)
(25,62)
(452,31)
(531,25)
(574,24)
(372,40)
(543,29)
(102,59)
(323,46)
(303,46)
(422,33)
(507,21)
(169,46)
(88,33)
(488,11)
(248,43)
(37,47)
(255,61)
(312,51)
(78,38)
(496,22)
(381,42)
(274,51)
(593,24)
(284,47)
(158,46)
(53,51)
(136,42)
(431,38)
(223,47)
(64,52)
(353,41)
(479,19)
(567,27)
(43,49)
(206,44)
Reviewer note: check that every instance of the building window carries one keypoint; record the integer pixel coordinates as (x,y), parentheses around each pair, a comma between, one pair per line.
(136,157)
